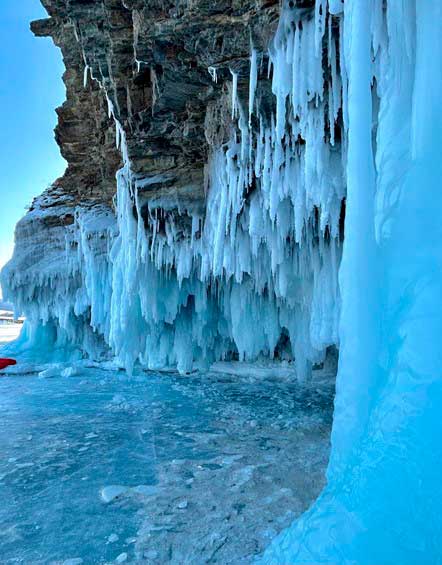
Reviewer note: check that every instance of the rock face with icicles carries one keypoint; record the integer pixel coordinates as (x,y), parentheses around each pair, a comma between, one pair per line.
(221,236)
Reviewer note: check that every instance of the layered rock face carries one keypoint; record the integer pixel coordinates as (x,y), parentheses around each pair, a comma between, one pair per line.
(150,60)
(220,237)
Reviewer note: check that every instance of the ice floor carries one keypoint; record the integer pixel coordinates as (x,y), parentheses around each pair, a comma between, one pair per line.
(225,462)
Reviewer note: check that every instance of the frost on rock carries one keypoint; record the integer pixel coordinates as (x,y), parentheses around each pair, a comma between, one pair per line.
(253,275)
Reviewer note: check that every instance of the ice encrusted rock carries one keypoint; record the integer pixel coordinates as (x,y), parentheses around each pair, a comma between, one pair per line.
(111,492)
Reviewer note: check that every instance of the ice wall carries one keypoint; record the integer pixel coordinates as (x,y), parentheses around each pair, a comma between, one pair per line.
(254,274)
(382,502)
(60,253)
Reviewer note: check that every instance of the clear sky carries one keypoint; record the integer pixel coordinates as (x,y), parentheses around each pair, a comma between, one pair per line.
(30,90)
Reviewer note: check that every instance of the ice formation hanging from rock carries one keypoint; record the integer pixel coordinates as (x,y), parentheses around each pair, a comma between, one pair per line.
(382,502)
(253,274)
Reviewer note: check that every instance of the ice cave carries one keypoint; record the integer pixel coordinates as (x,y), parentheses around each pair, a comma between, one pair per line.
(229,352)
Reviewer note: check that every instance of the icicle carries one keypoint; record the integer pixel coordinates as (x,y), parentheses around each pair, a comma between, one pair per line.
(86,70)
(234,93)
(320,16)
(213,73)
(253,82)
(118,136)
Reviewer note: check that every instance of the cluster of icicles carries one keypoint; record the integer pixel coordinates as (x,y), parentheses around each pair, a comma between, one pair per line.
(257,276)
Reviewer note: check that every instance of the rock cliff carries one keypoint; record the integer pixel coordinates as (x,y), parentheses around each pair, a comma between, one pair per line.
(151,60)
(221,236)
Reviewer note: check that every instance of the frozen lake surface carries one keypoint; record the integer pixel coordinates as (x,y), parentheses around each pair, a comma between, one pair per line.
(222,463)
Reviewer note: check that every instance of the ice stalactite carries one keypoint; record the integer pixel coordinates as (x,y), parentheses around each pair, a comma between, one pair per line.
(382,502)
(266,252)
(253,82)
(359,279)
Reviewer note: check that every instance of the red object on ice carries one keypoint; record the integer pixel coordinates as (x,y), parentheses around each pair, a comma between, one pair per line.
(4,362)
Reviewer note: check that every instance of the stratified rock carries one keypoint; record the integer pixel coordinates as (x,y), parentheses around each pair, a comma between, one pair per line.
(151,59)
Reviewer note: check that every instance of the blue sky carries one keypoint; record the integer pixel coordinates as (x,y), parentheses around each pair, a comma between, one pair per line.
(30,90)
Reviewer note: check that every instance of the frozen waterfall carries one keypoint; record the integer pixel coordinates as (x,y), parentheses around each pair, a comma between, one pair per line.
(382,502)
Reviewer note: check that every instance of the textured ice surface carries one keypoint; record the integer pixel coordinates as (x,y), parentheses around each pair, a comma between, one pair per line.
(209,466)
